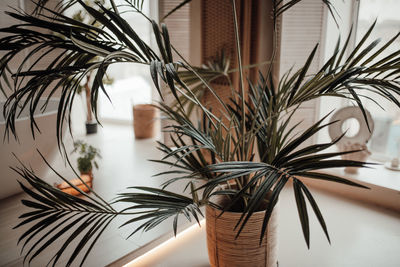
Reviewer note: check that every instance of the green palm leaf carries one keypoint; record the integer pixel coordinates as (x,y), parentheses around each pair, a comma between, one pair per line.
(159,205)
(54,213)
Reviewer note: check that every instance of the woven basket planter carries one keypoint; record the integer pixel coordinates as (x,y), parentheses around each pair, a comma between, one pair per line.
(226,251)
(144,120)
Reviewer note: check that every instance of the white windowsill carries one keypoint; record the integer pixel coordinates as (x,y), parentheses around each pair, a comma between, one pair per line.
(376,175)
(383,184)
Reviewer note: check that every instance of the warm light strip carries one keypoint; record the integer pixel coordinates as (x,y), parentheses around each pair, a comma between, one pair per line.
(169,242)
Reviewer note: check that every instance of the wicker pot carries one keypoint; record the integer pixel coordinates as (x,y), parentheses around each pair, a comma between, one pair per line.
(144,120)
(225,250)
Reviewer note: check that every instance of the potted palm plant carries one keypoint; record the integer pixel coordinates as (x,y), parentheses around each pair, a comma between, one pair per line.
(237,169)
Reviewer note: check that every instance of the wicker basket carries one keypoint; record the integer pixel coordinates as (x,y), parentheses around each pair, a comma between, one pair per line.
(225,250)
(144,116)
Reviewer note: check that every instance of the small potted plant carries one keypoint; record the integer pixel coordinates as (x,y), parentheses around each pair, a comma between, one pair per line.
(88,154)
(91,123)
(85,163)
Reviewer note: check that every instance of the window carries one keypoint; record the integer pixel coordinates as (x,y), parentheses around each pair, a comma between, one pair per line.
(385,142)
(131,83)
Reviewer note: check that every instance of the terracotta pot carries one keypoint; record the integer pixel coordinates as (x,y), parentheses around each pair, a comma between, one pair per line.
(144,120)
(225,250)
(66,188)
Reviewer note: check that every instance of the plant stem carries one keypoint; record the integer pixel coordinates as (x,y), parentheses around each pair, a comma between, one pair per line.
(88,98)
(241,86)
(274,41)
(242,95)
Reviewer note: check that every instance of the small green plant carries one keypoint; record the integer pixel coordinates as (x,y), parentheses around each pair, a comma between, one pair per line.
(88,154)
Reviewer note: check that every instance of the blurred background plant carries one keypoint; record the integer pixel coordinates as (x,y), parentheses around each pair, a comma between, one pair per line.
(87,157)
(84,85)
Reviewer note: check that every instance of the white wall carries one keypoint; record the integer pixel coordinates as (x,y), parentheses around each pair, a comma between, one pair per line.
(6,21)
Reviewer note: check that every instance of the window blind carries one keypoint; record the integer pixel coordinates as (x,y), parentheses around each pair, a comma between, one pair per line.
(302,29)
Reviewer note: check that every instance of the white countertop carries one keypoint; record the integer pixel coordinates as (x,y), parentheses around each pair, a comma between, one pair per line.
(376,175)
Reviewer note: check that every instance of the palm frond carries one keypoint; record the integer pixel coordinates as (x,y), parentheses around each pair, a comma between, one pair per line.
(269,179)
(281,6)
(79,222)
(158,205)
(54,215)
(80,49)
(180,5)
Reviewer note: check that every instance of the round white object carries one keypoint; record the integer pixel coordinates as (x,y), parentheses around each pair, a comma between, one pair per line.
(343,114)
